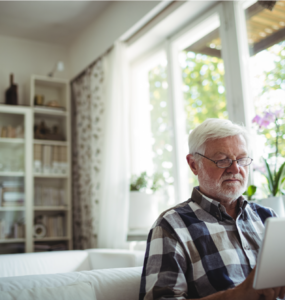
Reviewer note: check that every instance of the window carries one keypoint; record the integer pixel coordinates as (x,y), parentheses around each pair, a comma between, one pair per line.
(202,71)
(152,146)
(266,42)
(203,85)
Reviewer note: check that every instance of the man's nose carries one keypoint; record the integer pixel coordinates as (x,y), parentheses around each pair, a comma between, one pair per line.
(234,168)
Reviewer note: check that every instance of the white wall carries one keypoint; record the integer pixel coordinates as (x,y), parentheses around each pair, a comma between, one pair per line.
(23,58)
(115,21)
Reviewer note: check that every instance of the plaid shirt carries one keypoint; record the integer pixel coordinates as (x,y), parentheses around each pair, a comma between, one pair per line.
(196,249)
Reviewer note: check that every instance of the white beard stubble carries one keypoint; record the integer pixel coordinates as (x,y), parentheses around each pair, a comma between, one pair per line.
(229,191)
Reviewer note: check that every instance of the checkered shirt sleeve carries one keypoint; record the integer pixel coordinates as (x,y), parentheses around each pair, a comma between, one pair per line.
(165,265)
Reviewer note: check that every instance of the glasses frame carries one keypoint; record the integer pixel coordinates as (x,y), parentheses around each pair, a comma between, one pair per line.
(217,161)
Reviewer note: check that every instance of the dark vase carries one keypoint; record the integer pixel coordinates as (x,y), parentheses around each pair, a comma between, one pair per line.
(12,93)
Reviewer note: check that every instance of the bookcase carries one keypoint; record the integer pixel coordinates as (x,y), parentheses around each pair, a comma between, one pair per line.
(51,169)
(35,170)
(15,179)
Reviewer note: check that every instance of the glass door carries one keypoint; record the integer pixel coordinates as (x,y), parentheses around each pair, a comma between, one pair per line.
(14,179)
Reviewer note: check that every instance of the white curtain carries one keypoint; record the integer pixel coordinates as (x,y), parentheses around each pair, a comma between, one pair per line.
(114,187)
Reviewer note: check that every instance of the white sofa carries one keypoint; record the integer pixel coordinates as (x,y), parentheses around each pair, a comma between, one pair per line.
(68,261)
(114,284)
(64,275)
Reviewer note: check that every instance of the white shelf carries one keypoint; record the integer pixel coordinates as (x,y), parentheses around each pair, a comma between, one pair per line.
(50,208)
(15,208)
(7,241)
(50,175)
(50,81)
(12,174)
(50,111)
(52,89)
(48,142)
(51,239)
(12,140)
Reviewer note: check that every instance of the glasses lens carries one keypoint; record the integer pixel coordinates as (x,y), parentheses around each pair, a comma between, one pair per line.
(224,163)
(244,161)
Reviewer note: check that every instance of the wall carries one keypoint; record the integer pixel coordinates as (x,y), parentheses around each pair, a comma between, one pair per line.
(23,58)
(114,22)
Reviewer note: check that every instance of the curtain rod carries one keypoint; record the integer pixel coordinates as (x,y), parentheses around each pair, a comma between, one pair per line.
(91,64)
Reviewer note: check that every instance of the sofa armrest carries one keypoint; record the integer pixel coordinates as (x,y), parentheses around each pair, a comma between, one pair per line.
(43,263)
(114,258)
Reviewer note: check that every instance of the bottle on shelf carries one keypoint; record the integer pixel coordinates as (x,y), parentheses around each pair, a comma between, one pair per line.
(12,92)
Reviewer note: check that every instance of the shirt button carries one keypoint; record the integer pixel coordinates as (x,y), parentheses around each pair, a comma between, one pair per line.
(246,247)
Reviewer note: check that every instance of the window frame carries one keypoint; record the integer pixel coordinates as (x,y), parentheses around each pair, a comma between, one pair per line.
(235,54)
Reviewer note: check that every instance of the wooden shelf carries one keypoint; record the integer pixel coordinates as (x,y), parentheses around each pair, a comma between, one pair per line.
(50,208)
(51,175)
(48,142)
(12,174)
(15,208)
(7,241)
(12,140)
(51,239)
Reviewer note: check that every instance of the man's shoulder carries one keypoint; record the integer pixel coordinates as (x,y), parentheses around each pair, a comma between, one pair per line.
(175,215)
(262,211)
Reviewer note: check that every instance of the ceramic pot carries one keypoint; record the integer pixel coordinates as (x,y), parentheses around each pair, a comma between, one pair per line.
(143,210)
(276,203)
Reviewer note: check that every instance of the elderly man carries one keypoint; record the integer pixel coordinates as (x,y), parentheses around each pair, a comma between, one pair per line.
(207,246)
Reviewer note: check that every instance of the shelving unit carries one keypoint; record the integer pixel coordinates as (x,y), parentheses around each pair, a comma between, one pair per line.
(53,178)
(56,143)
(12,140)
(12,174)
(50,208)
(17,170)
(7,241)
(17,208)
(15,179)
(51,239)
(39,175)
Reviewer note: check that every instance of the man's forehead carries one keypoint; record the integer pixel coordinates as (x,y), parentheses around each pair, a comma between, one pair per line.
(235,143)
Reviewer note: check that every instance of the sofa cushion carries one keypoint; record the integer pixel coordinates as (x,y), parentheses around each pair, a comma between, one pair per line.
(43,263)
(119,284)
(81,290)
(114,258)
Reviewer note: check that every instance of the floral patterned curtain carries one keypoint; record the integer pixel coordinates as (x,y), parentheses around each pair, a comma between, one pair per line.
(88,109)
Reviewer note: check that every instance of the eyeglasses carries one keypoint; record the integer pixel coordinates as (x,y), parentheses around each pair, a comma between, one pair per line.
(226,163)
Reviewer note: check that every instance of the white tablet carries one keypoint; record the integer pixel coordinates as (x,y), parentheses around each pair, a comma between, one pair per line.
(270,268)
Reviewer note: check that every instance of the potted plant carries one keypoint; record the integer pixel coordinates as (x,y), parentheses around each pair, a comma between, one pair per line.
(274,173)
(249,193)
(143,209)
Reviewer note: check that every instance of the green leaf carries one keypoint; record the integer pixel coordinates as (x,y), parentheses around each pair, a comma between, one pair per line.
(139,183)
(278,178)
(251,191)
(269,178)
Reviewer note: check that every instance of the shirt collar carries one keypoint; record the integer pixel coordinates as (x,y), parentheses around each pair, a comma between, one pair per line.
(212,206)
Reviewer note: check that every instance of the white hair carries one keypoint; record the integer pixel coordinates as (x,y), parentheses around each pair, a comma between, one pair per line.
(212,129)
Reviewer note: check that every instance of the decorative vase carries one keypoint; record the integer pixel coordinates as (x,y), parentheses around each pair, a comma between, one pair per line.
(276,203)
(143,210)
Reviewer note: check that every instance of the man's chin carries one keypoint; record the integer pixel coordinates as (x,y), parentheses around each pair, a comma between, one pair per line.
(230,192)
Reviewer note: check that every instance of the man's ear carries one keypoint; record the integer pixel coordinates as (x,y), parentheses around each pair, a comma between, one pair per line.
(192,163)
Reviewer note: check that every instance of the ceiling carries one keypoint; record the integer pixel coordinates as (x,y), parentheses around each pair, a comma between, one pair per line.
(56,22)
(264,29)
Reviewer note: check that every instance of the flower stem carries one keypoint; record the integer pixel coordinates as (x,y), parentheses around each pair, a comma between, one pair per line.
(276,144)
